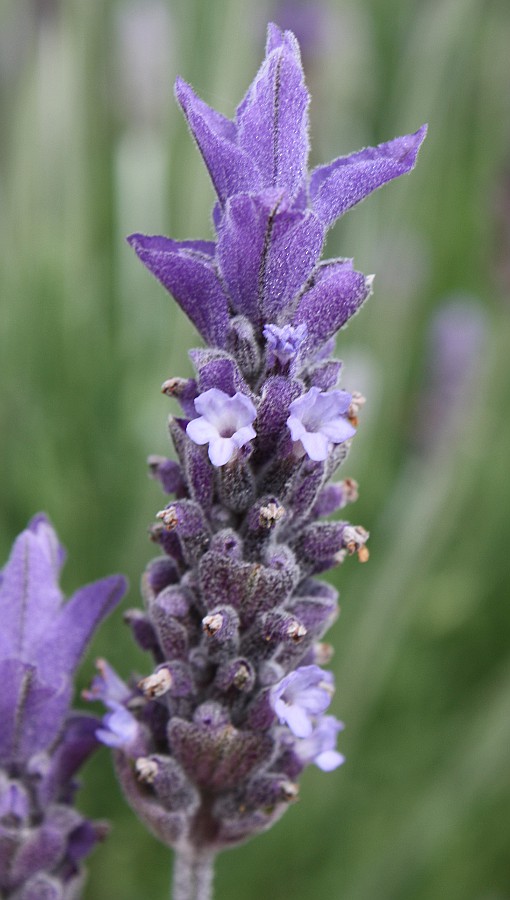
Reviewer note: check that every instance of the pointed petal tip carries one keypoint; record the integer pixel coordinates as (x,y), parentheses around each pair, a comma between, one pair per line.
(341,184)
(411,145)
(119,586)
(134,240)
(274,37)
(277,37)
(141,244)
(117,582)
(182,91)
(42,528)
(148,244)
(38,519)
(403,150)
(110,591)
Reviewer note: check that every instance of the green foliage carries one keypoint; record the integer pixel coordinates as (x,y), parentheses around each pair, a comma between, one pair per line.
(421,807)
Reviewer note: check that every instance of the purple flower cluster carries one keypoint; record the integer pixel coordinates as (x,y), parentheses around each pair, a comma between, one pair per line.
(209,745)
(42,744)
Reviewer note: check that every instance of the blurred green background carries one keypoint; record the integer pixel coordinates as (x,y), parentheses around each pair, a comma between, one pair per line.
(93,147)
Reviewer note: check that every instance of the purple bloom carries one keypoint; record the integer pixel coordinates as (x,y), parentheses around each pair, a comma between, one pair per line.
(283,344)
(42,744)
(107,686)
(225,423)
(320,746)
(302,696)
(318,419)
(120,729)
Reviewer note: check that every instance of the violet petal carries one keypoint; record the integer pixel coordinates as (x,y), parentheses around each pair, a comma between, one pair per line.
(337,294)
(230,167)
(191,278)
(273,118)
(337,186)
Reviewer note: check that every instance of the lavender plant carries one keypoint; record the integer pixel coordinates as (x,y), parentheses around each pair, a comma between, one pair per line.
(210,744)
(43,839)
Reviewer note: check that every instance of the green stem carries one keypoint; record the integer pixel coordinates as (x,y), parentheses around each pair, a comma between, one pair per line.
(192,875)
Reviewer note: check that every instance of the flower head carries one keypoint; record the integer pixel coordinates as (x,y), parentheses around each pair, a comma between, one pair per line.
(225,423)
(42,744)
(234,610)
(318,419)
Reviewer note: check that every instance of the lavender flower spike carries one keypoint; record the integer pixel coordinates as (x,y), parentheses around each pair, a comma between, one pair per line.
(42,743)
(210,743)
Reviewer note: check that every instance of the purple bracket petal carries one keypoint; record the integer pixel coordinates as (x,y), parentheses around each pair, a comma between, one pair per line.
(273,117)
(337,294)
(60,648)
(294,250)
(192,529)
(191,277)
(29,594)
(31,712)
(325,375)
(266,253)
(231,168)
(43,849)
(335,187)
(242,238)
(77,743)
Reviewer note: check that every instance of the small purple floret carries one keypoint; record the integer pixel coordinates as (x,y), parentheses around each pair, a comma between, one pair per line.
(320,747)
(107,686)
(300,697)
(283,344)
(225,423)
(120,728)
(318,419)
